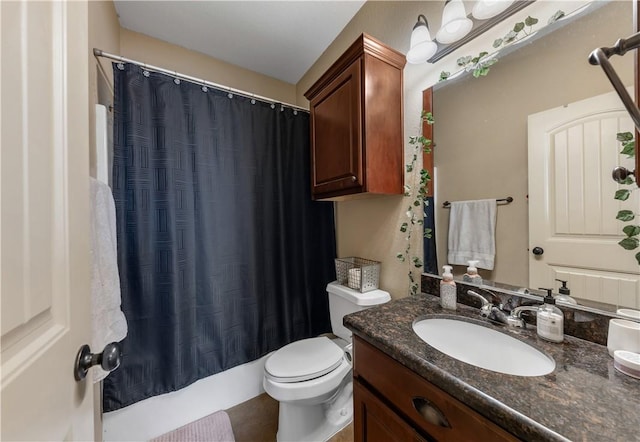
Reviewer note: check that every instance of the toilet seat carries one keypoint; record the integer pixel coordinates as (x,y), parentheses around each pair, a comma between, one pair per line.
(303,360)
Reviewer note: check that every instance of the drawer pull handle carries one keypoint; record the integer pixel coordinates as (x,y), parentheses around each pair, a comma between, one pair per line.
(430,412)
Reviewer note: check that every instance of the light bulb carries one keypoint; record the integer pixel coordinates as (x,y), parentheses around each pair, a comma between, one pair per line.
(485,9)
(422,48)
(455,24)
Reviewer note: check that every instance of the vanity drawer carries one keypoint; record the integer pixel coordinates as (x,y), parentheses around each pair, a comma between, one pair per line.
(424,405)
(375,422)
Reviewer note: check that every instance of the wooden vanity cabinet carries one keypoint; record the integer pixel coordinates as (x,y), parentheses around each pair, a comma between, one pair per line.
(392,402)
(376,422)
(356,123)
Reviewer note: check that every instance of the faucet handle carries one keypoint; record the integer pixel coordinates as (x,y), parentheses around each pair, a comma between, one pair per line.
(477,295)
(485,309)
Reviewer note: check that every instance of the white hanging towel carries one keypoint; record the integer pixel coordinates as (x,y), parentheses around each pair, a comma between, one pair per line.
(108,322)
(472,228)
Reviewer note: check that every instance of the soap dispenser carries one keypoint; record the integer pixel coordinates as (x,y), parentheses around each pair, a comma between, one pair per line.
(448,291)
(550,319)
(564,297)
(472,273)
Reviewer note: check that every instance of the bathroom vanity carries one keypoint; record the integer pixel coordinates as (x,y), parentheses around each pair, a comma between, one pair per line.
(429,409)
(405,389)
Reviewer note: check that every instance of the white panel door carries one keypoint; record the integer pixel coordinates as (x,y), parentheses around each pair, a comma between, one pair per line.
(572,210)
(44,224)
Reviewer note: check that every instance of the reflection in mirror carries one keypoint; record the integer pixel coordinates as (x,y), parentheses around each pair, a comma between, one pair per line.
(483,150)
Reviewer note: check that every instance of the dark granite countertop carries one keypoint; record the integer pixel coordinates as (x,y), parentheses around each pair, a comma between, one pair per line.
(584,399)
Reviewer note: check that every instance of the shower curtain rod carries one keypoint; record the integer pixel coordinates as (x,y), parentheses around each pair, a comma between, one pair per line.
(100,53)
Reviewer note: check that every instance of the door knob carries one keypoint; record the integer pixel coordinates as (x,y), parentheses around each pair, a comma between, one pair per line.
(109,359)
(538,251)
(620,174)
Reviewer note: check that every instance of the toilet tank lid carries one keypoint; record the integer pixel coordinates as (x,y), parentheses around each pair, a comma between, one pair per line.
(373,297)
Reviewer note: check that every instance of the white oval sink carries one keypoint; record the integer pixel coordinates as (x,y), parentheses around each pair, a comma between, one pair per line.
(483,347)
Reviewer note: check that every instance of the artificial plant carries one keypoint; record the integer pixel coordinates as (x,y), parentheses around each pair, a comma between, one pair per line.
(416,191)
(632,231)
(481,63)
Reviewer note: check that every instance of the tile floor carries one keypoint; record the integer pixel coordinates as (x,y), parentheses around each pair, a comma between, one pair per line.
(257,421)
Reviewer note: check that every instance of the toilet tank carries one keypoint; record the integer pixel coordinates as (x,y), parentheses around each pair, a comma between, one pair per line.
(343,301)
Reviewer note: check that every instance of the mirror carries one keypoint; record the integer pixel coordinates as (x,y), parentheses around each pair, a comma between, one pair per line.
(481,137)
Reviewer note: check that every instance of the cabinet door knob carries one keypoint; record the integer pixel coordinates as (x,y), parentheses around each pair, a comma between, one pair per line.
(109,359)
(430,412)
(537,251)
(353,178)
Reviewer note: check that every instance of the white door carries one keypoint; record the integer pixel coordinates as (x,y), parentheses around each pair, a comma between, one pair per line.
(572,210)
(44,242)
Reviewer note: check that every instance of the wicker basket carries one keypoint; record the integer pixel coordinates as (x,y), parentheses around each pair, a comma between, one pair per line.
(358,273)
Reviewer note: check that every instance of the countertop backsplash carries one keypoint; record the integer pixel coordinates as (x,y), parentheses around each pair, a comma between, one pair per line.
(583,324)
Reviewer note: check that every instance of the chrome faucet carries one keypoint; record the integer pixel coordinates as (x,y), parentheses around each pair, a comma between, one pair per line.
(515,320)
(491,310)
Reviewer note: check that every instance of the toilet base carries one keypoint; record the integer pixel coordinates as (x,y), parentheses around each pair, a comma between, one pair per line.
(302,423)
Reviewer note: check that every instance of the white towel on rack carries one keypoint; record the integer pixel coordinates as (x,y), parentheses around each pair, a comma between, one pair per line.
(108,322)
(472,228)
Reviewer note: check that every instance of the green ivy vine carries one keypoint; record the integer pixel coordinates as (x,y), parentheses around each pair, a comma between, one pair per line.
(417,192)
(480,64)
(519,27)
(632,231)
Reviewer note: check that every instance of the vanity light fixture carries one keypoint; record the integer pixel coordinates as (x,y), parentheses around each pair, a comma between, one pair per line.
(455,24)
(458,28)
(422,47)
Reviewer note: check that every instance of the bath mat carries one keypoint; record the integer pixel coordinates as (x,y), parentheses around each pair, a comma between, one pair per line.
(213,428)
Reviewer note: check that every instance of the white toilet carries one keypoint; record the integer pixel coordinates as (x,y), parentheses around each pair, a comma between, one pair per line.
(311,378)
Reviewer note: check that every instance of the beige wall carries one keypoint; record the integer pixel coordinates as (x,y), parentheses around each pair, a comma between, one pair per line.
(143,48)
(481,127)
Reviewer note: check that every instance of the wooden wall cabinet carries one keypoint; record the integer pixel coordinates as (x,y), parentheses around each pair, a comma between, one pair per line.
(392,403)
(356,123)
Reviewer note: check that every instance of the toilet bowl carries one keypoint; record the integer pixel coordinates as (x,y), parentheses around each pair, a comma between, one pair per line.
(312,378)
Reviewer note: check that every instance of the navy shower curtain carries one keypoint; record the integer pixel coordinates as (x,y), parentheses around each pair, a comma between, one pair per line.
(223,256)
